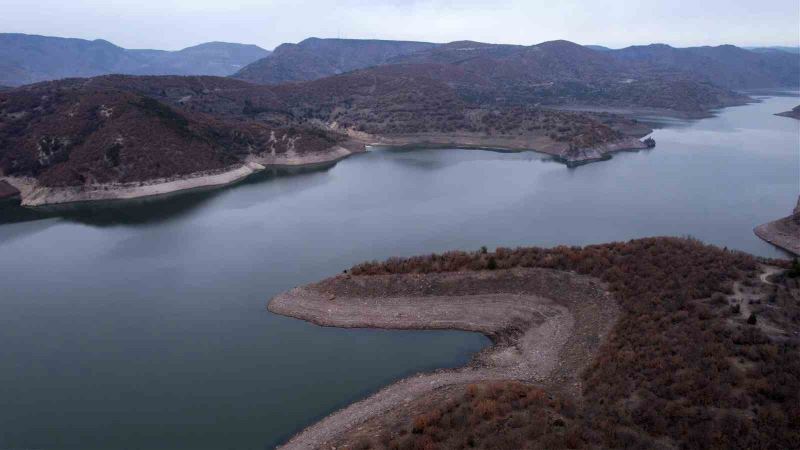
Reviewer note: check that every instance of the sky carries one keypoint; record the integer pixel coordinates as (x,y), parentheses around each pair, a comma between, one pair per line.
(175,24)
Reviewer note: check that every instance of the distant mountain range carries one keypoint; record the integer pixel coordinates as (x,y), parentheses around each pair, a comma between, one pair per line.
(321,94)
(316,58)
(776,48)
(725,66)
(555,73)
(26,59)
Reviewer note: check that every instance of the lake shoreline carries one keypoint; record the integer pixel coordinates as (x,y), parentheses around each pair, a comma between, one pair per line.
(33,195)
(559,151)
(783,233)
(538,332)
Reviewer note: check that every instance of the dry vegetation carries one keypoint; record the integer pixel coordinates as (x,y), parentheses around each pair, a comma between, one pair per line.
(127,129)
(496,415)
(409,99)
(105,130)
(554,73)
(682,367)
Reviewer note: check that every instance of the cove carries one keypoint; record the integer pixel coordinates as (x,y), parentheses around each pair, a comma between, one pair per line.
(142,324)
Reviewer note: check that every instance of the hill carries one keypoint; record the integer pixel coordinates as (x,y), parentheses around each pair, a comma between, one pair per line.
(89,133)
(316,58)
(776,48)
(26,59)
(651,343)
(552,73)
(105,131)
(725,66)
(563,73)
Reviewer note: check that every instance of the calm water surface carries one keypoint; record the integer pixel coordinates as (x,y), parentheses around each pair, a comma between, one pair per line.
(142,325)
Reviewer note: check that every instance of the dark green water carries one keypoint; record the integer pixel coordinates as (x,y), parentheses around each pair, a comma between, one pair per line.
(142,325)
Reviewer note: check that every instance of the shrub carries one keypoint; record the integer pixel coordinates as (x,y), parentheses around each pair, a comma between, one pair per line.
(673,369)
(794,271)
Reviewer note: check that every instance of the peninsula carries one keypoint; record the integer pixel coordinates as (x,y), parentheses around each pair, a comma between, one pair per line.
(793,114)
(608,345)
(123,136)
(783,233)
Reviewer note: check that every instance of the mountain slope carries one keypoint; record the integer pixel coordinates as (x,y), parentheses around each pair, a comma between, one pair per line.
(726,65)
(563,73)
(91,133)
(316,58)
(80,132)
(211,58)
(26,59)
(552,73)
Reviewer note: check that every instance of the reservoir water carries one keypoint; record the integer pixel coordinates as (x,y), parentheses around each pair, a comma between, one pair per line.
(142,324)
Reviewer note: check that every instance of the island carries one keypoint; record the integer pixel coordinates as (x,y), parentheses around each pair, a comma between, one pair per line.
(613,345)
(783,233)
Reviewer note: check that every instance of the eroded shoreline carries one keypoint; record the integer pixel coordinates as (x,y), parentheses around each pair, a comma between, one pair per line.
(558,150)
(545,326)
(783,233)
(32,194)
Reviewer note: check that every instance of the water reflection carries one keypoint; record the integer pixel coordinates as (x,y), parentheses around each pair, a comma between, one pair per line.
(142,324)
(146,210)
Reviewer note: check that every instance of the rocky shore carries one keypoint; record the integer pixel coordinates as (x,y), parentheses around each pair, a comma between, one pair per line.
(545,325)
(783,233)
(34,194)
(793,114)
(561,151)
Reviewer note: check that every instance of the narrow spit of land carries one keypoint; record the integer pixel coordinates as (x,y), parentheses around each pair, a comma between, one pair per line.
(545,326)
(783,233)
(665,311)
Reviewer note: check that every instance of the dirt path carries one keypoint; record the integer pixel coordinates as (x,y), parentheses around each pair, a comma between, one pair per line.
(744,299)
(546,325)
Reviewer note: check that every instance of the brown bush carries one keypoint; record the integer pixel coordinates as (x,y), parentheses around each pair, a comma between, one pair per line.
(667,371)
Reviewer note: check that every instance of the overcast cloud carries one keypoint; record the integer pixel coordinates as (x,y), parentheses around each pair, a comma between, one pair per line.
(174,24)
